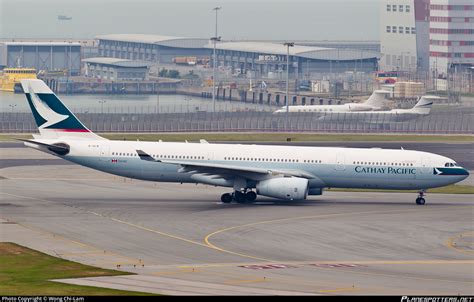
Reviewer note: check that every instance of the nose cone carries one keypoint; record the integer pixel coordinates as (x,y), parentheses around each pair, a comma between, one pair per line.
(461,174)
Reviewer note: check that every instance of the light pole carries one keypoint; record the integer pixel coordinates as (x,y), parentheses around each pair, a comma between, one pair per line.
(102,106)
(288,45)
(214,39)
(158,92)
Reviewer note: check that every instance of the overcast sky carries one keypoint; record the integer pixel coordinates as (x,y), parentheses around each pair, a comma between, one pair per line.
(238,19)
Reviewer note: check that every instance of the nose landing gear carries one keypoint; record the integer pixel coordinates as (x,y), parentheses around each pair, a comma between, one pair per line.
(420,200)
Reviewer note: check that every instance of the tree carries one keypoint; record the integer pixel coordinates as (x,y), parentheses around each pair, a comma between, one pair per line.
(174,74)
(163,73)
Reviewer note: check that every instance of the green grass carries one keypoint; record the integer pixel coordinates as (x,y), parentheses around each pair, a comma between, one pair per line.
(451,189)
(270,137)
(26,272)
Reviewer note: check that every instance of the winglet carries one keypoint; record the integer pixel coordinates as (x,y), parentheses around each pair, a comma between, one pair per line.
(145,156)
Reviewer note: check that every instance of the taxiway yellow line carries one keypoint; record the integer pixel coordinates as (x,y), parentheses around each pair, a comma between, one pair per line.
(213,246)
(337,290)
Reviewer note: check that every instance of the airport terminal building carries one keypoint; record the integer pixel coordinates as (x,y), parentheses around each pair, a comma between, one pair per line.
(262,58)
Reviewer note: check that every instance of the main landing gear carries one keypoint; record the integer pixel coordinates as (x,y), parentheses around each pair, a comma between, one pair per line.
(420,200)
(238,196)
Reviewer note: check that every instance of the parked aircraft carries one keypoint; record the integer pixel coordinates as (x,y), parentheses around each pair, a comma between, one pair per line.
(421,108)
(374,102)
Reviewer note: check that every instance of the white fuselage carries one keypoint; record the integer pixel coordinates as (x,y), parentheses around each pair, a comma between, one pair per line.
(331,167)
(377,117)
(348,107)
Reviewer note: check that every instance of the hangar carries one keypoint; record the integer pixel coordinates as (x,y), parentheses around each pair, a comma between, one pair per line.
(116,69)
(154,48)
(270,58)
(46,56)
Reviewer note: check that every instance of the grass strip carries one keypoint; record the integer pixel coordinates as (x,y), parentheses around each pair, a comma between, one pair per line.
(27,272)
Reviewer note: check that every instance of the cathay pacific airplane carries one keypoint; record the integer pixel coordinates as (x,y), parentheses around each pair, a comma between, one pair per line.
(282,172)
(421,108)
(374,102)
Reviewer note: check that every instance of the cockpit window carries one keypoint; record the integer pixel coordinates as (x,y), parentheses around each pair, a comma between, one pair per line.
(451,165)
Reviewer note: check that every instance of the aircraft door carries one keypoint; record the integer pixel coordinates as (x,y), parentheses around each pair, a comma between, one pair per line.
(340,162)
(104,152)
(209,156)
(425,165)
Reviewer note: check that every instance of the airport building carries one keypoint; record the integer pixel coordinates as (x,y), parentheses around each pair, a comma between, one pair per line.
(427,35)
(404,35)
(43,56)
(451,35)
(368,45)
(153,48)
(269,59)
(116,69)
(262,58)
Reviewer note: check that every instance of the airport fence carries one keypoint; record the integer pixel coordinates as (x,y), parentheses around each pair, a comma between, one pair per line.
(451,122)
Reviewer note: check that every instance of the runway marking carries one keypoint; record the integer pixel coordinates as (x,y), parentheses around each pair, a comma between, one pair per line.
(395,276)
(359,263)
(337,290)
(452,244)
(157,232)
(213,246)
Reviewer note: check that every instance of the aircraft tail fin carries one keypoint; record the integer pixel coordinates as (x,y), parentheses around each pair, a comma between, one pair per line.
(52,117)
(424,104)
(377,98)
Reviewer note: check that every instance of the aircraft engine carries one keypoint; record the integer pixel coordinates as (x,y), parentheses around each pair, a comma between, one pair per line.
(289,188)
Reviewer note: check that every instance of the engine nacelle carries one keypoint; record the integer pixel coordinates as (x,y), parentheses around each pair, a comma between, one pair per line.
(289,188)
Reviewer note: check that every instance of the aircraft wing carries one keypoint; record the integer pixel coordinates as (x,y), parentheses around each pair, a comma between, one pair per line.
(225,169)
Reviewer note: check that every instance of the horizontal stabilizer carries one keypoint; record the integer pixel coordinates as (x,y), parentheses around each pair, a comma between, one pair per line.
(61,149)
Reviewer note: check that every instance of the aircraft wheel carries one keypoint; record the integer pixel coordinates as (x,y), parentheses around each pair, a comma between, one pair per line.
(226,198)
(250,196)
(239,197)
(420,201)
